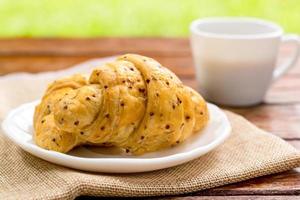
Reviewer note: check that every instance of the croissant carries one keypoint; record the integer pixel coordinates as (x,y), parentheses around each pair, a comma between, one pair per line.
(133,103)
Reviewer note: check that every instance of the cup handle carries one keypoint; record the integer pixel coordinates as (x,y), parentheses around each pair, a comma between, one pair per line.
(282,69)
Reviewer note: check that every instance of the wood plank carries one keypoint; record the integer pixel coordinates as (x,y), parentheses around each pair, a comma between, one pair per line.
(286,183)
(84,46)
(172,48)
(92,46)
(285,91)
(9,64)
(292,197)
(281,120)
(233,197)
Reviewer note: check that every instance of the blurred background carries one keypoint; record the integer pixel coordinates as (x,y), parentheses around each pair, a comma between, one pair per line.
(131,18)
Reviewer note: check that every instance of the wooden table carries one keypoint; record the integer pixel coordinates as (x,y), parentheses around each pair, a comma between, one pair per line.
(280,114)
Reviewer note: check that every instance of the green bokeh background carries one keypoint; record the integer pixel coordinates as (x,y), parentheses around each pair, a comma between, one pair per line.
(122,18)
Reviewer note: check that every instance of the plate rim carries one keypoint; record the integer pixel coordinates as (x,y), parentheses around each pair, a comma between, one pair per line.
(178,158)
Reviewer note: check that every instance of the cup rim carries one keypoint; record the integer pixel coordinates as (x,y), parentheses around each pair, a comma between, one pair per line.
(278,31)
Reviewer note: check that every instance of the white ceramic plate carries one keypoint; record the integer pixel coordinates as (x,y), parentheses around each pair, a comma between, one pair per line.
(18,127)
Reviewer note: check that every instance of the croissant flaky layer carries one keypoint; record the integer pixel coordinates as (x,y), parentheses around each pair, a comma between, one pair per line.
(133,103)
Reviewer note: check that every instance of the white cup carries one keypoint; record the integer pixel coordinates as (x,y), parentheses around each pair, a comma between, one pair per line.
(235,58)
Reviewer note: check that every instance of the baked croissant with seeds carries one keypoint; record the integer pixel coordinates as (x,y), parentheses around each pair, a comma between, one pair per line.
(133,103)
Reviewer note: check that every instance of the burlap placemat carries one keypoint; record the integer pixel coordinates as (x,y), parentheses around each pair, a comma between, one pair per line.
(248,153)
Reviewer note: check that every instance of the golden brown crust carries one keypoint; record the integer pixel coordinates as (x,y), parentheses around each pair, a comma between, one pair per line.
(133,103)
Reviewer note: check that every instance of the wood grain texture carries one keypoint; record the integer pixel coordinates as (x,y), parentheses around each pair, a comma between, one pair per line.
(286,183)
(38,63)
(95,46)
(240,197)
(279,114)
(281,120)
(234,198)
